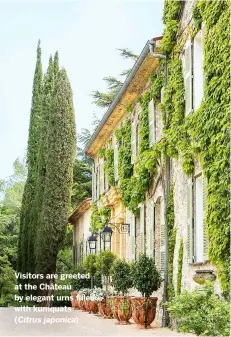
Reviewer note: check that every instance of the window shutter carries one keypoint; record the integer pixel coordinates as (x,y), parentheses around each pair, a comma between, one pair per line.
(142,221)
(190,220)
(101,177)
(151,229)
(133,142)
(205,238)
(162,95)
(151,118)
(93,183)
(116,172)
(188,77)
(98,182)
(162,249)
(133,238)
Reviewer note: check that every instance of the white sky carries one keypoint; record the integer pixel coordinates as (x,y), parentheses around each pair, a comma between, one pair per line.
(86,33)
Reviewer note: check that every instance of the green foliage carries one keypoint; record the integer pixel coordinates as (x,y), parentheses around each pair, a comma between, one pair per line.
(171,241)
(180,266)
(81,283)
(105,214)
(61,141)
(101,153)
(95,223)
(25,253)
(109,166)
(82,180)
(201,312)
(146,278)
(104,261)
(121,276)
(89,264)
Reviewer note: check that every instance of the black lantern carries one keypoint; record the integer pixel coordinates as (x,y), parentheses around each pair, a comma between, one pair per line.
(92,244)
(106,234)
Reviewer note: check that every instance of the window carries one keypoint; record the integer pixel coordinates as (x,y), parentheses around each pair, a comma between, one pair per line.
(196,203)
(198,81)
(193,72)
(152,127)
(101,176)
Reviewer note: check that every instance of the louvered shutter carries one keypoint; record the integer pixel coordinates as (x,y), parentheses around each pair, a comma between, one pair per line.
(188,77)
(162,95)
(190,220)
(142,222)
(151,118)
(151,229)
(116,172)
(162,249)
(101,173)
(98,182)
(133,142)
(133,237)
(93,183)
(128,238)
(205,238)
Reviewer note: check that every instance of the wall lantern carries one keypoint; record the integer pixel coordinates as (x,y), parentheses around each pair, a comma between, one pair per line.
(106,234)
(92,244)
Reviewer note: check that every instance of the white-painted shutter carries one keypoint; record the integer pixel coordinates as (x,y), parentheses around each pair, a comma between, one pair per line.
(205,238)
(162,248)
(133,142)
(101,177)
(190,220)
(162,95)
(142,222)
(98,182)
(151,118)
(128,238)
(116,172)
(188,77)
(133,237)
(151,229)
(93,183)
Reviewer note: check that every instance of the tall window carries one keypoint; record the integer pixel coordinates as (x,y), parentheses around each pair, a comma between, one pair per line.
(196,203)
(193,72)
(151,119)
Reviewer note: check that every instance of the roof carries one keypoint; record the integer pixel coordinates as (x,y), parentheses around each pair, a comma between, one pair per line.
(79,210)
(130,91)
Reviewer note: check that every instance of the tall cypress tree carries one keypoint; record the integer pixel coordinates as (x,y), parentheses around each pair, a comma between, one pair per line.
(48,88)
(27,216)
(61,144)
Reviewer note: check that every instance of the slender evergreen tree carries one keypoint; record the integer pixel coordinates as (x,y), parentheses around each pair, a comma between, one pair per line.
(27,216)
(61,145)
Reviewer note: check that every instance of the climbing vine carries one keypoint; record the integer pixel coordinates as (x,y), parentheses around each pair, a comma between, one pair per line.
(171,241)
(180,265)
(99,217)
(109,166)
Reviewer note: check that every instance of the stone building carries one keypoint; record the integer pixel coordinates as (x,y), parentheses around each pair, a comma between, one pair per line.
(148,230)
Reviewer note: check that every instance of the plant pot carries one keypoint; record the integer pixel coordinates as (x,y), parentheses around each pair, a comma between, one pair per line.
(143,311)
(74,302)
(108,311)
(124,310)
(114,306)
(201,276)
(101,306)
(93,307)
(87,306)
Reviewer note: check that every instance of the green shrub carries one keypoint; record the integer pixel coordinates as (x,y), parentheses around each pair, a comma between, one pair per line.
(89,264)
(121,276)
(201,312)
(146,277)
(104,261)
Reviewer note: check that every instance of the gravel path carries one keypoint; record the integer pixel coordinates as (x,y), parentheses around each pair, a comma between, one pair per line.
(71,323)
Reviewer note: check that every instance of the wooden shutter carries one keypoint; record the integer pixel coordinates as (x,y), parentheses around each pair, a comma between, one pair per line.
(133,238)
(151,118)
(162,248)
(205,238)
(162,95)
(101,174)
(98,182)
(190,220)
(116,172)
(142,222)
(188,77)
(128,238)
(93,183)
(133,142)
(151,229)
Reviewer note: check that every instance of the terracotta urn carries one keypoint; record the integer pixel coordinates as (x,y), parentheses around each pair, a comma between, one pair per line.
(143,311)
(124,311)
(87,306)
(114,307)
(201,276)
(93,307)
(101,306)
(74,302)
(108,311)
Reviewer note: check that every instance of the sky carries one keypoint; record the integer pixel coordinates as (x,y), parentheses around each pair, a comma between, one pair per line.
(86,34)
